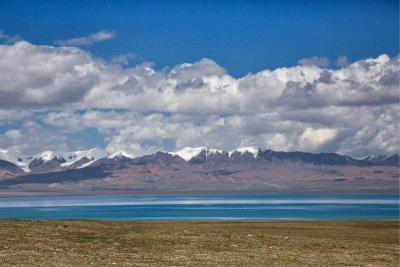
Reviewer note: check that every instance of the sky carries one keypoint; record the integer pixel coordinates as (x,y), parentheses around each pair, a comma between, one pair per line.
(143,76)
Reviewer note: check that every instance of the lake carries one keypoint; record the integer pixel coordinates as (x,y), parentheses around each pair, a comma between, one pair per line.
(204,207)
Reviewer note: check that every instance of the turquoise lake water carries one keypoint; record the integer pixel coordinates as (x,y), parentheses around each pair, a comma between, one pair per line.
(204,207)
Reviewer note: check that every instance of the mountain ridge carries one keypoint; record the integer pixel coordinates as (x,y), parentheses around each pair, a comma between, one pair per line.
(204,170)
(84,158)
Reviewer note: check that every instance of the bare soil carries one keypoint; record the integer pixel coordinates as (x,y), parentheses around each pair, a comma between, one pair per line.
(282,243)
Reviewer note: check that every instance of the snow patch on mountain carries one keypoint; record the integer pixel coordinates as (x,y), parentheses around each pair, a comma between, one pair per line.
(67,158)
(389,156)
(86,164)
(188,153)
(46,156)
(120,154)
(16,158)
(247,149)
(92,155)
(371,157)
(210,151)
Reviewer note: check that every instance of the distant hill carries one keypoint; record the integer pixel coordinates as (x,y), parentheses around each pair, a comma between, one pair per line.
(198,169)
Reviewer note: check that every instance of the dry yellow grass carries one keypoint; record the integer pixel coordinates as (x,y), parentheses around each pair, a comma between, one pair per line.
(86,243)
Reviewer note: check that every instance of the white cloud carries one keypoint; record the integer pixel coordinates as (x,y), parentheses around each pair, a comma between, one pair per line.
(352,110)
(141,133)
(342,61)
(49,76)
(90,39)
(8,116)
(312,139)
(40,76)
(13,134)
(314,61)
(124,59)
(32,137)
(8,39)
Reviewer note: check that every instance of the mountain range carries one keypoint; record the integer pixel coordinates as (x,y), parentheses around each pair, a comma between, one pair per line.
(199,169)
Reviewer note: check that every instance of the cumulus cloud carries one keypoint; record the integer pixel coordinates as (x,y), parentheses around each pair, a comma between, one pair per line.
(142,133)
(64,75)
(124,59)
(31,137)
(342,61)
(8,116)
(90,39)
(314,61)
(13,134)
(314,138)
(43,76)
(8,39)
(352,110)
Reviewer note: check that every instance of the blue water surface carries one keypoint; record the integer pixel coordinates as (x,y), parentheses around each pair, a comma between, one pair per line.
(204,207)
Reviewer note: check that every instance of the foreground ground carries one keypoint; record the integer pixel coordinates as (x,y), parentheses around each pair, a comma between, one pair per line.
(84,243)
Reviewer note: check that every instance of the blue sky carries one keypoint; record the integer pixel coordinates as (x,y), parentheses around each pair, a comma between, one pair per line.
(241,36)
(145,76)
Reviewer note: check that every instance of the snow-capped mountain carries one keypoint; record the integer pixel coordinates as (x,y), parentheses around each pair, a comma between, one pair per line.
(196,169)
(49,161)
(391,159)
(63,159)
(15,158)
(23,161)
(189,153)
(248,149)
(73,157)
(120,154)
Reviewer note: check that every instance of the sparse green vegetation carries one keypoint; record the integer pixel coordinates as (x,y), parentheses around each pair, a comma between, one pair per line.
(98,243)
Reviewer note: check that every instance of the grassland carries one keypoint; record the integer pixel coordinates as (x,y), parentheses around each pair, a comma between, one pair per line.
(95,243)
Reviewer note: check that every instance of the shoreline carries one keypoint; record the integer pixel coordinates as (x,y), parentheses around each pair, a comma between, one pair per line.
(192,193)
(211,221)
(205,222)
